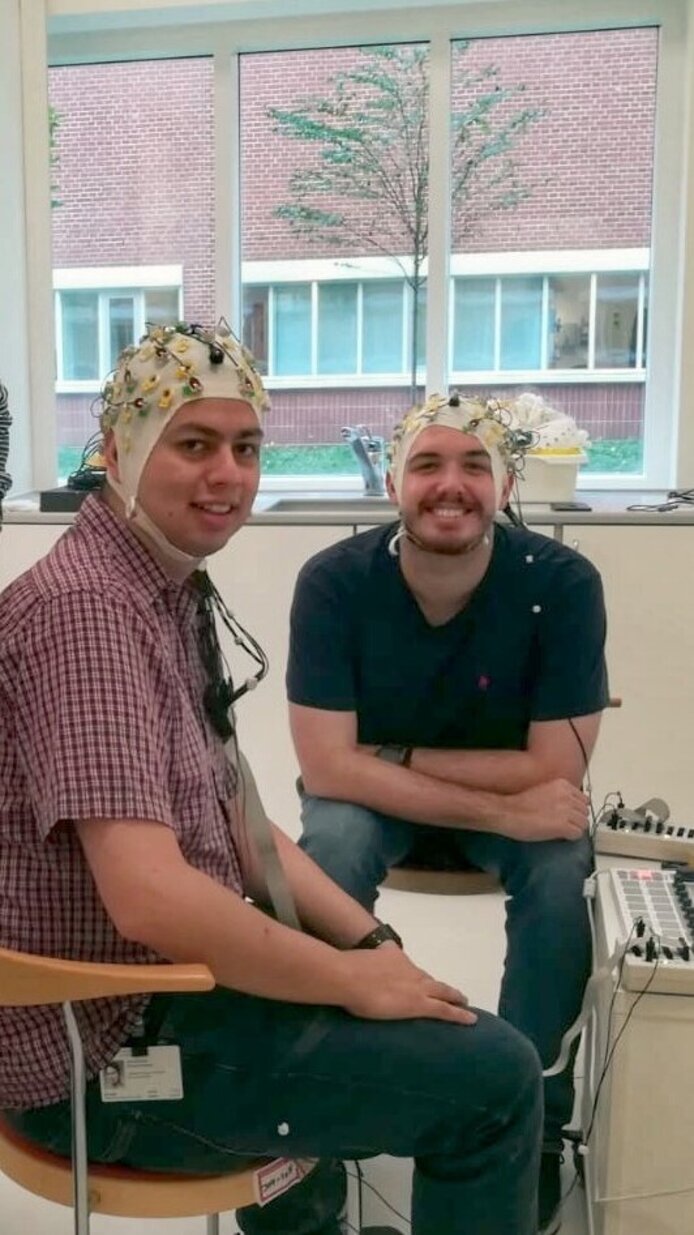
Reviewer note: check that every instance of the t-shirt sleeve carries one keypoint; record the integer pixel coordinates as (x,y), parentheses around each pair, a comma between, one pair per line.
(321,668)
(91,714)
(572,674)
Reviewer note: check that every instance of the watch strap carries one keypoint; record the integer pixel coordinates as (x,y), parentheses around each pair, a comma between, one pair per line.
(381,933)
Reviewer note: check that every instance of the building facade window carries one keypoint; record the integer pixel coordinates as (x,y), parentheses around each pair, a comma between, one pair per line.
(93,325)
(589,326)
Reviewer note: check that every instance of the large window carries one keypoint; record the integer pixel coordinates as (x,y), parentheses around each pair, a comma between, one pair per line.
(324,210)
(132,219)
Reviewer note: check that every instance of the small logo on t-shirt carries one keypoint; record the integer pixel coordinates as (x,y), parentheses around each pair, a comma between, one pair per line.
(483,681)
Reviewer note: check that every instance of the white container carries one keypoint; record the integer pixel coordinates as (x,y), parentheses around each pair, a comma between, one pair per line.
(549,478)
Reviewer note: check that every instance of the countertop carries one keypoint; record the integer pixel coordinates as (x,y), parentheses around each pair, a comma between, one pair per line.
(607,507)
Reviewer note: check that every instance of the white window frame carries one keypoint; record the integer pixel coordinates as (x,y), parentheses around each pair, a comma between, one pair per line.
(82,31)
(106,282)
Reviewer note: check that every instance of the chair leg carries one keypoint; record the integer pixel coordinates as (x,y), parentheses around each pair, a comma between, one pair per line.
(213,1224)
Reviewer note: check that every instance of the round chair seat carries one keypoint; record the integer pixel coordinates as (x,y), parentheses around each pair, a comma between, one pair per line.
(122,1191)
(466,882)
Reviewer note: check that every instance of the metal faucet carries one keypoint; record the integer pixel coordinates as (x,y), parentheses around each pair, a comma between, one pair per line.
(369,450)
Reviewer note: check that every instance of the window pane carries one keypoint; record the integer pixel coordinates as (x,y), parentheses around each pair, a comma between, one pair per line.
(293,329)
(382,309)
(161,306)
(337,328)
(255,324)
(473,324)
(313,214)
(616,321)
(80,312)
(568,321)
(121,326)
(521,323)
(551,170)
(122,203)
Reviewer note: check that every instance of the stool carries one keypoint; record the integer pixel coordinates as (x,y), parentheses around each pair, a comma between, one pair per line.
(29,981)
(419,874)
(468,881)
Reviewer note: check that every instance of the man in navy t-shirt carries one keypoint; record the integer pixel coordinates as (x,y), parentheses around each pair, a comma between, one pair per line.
(446,678)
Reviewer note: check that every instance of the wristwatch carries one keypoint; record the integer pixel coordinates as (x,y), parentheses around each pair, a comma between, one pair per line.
(395,754)
(382,933)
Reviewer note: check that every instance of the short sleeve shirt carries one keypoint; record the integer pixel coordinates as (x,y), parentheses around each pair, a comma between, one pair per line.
(101,716)
(528,646)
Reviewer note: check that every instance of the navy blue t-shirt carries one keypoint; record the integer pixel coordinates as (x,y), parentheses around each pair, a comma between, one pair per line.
(528,645)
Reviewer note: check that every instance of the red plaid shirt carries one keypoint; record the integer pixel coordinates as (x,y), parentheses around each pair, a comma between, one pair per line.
(101,716)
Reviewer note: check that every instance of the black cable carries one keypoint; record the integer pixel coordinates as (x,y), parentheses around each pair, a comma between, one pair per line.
(360,1194)
(88,476)
(381,1197)
(588,786)
(220,695)
(605,1068)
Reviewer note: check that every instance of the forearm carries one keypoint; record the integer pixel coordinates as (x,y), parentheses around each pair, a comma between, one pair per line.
(355,775)
(494,771)
(322,906)
(187,916)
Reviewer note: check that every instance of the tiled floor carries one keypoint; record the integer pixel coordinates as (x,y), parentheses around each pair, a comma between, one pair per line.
(458,939)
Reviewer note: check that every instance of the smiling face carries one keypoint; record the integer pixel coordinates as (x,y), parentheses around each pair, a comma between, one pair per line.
(448,498)
(201,478)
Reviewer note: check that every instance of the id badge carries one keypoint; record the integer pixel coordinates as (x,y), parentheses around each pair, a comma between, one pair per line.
(151,1074)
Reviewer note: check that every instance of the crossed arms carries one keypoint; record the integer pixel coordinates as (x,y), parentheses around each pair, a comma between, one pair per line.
(532,794)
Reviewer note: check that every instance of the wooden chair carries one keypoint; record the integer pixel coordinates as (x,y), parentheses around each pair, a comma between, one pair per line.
(415,876)
(26,981)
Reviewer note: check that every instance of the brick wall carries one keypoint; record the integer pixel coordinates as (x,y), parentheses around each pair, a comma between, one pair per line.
(135,173)
(587,161)
(606,410)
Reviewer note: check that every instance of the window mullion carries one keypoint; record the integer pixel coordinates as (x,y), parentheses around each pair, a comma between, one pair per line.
(103,359)
(544,325)
(497,325)
(439,206)
(271,330)
(640,323)
(592,318)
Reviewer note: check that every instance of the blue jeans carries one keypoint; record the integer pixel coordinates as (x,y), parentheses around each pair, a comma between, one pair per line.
(548,936)
(266,1078)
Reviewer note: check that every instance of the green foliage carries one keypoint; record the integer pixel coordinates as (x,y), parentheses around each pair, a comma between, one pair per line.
(368,187)
(619,455)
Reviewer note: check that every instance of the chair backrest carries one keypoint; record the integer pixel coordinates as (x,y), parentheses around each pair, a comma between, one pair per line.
(27,980)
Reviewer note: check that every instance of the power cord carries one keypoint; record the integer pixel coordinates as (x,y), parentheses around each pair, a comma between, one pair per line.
(580,1141)
(363,1182)
(675,498)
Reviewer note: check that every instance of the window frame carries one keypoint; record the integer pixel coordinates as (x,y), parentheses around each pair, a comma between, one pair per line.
(105,283)
(78,32)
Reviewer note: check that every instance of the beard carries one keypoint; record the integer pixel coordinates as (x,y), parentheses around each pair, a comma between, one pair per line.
(443,549)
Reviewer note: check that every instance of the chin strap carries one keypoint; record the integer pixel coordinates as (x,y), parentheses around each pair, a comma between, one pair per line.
(404,532)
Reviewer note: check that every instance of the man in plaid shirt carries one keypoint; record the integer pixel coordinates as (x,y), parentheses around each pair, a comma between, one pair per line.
(122,841)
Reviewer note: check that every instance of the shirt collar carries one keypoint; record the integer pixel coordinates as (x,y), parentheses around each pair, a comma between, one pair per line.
(129,555)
